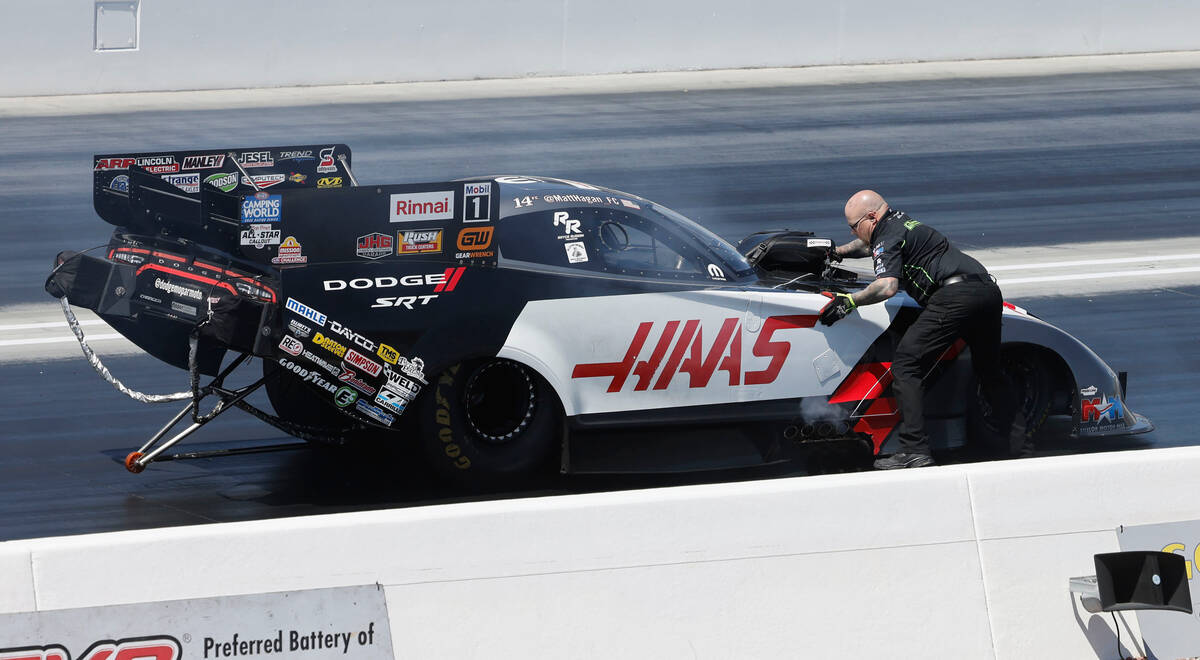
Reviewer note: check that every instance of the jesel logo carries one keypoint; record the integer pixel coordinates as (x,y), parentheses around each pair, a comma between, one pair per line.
(475,238)
(687,354)
(145,648)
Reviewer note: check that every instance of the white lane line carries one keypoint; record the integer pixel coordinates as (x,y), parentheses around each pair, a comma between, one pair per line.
(1096,262)
(1097,276)
(55,340)
(53,324)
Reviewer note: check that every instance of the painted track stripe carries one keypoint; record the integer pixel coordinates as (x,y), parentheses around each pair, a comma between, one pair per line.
(55,340)
(52,324)
(1097,276)
(1096,262)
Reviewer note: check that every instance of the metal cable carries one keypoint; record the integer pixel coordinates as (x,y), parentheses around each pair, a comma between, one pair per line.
(94,360)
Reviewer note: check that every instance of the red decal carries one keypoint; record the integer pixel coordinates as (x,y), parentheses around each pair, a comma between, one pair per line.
(619,371)
(879,420)
(685,339)
(450,279)
(646,368)
(866,381)
(776,350)
(701,369)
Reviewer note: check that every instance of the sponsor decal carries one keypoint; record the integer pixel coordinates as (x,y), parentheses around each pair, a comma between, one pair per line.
(154,164)
(477,202)
(307,312)
(570,228)
(414,368)
(291,345)
(223,181)
(299,329)
(329,182)
(576,252)
(475,241)
(1103,411)
(296,177)
(308,375)
(406,302)
(374,412)
(715,272)
(401,385)
(142,648)
(344,397)
(374,246)
(264,180)
(129,257)
(250,159)
(350,335)
(628,204)
(419,241)
(177,289)
(522,202)
(203,162)
(391,400)
(1088,391)
(444,282)
(260,236)
(363,362)
(350,378)
(389,354)
(289,252)
(254,291)
(878,251)
(420,206)
(302,154)
(327,165)
(156,301)
(261,207)
(120,183)
(333,369)
(190,310)
(330,344)
(188,183)
(680,349)
(818,242)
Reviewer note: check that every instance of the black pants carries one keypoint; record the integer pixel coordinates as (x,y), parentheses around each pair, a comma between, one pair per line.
(968,310)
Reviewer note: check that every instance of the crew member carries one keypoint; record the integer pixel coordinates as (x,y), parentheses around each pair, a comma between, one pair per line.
(959,299)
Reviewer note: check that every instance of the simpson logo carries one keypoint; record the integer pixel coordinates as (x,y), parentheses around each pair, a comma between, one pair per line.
(326,166)
(307,312)
(222,181)
(363,362)
(329,182)
(262,207)
(264,180)
(724,354)
(250,159)
(151,648)
(291,345)
(477,202)
(414,207)
(374,246)
(289,253)
(204,162)
(419,241)
(475,238)
(188,183)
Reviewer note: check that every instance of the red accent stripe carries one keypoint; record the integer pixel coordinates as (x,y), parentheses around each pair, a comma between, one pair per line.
(867,380)
(458,272)
(879,420)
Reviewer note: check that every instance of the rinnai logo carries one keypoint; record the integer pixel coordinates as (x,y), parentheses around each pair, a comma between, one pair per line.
(683,351)
(414,207)
(146,648)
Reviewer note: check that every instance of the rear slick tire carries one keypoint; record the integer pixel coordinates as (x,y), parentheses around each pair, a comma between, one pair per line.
(1027,388)
(488,423)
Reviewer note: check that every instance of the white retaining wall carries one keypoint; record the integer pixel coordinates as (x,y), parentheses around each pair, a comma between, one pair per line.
(955,562)
(225,44)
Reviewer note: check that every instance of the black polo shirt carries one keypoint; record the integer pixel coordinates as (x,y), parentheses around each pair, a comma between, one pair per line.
(917,255)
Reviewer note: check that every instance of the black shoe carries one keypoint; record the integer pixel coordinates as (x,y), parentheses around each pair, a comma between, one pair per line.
(896,461)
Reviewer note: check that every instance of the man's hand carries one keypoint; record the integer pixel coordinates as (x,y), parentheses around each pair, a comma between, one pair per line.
(833,256)
(840,304)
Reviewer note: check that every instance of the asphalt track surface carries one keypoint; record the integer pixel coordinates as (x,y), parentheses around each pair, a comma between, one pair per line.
(1002,165)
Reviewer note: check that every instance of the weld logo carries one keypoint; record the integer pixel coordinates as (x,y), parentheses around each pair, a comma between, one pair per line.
(475,238)
(146,648)
(411,207)
(683,351)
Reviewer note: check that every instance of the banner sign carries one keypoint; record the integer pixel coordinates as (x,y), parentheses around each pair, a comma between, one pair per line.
(1169,634)
(342,622)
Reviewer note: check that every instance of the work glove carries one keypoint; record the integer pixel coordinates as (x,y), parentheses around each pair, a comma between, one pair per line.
(832,255)
(839,305)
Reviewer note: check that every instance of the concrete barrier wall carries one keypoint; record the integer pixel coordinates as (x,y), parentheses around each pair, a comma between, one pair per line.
(959,561)
(225,44)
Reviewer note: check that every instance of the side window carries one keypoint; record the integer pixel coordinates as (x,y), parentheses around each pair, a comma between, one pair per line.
(601,240)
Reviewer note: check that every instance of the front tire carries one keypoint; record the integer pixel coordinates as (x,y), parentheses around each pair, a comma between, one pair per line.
(489,422)
(1005,427)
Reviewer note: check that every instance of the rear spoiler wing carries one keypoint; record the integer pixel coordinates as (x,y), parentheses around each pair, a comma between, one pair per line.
(193,192)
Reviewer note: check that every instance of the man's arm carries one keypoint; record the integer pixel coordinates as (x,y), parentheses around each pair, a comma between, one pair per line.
(877,291)
(855,249)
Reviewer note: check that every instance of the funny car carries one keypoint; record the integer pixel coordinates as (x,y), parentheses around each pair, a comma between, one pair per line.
(508,324)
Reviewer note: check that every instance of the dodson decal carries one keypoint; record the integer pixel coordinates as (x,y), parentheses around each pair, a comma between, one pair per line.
(147,648)
(682,350)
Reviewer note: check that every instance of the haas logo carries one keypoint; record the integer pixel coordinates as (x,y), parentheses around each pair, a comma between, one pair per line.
(147,648)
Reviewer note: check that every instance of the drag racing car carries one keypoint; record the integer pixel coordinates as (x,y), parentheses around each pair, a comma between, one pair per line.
(510,324)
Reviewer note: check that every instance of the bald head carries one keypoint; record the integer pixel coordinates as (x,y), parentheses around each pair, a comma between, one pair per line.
(862,203)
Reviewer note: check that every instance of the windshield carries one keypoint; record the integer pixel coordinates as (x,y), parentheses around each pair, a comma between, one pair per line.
(733,259)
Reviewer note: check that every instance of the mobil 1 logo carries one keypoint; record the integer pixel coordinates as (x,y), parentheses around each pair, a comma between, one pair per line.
(477,202)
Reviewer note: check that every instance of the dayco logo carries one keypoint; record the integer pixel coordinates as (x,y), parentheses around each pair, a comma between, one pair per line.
(177,290)
(351,335)
(329,344)
(146,648)
(724,354)
(362,362)
(444,281)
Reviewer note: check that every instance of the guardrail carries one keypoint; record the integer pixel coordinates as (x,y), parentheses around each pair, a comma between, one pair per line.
(74,47)
(958,561)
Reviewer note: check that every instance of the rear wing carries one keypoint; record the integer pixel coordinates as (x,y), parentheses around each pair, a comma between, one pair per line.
(182,189)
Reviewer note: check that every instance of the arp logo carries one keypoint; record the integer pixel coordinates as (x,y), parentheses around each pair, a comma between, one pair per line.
(142,648)
(475,238)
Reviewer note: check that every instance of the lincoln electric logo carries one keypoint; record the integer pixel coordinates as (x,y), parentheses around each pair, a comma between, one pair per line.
(421,206)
